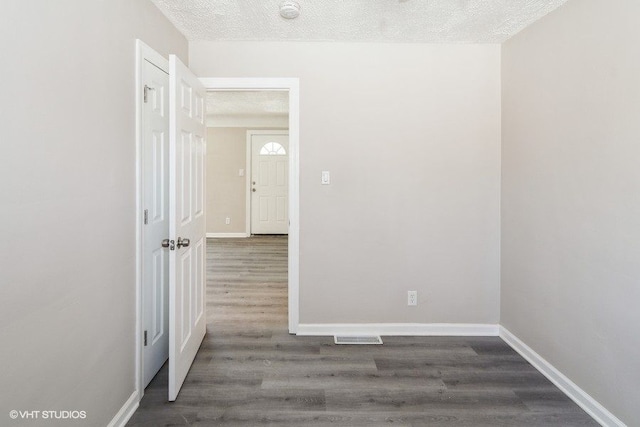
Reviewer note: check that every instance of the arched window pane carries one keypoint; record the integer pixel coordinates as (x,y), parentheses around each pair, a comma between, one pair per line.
(272,149)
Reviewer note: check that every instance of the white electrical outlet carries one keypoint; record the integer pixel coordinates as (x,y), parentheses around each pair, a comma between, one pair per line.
(412,298)
(227,221)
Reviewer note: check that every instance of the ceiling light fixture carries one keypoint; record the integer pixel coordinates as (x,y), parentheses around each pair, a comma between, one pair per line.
(289,9)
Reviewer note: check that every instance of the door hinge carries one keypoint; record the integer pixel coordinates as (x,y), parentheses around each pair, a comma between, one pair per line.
(145,338)
(146,216)
(146,92)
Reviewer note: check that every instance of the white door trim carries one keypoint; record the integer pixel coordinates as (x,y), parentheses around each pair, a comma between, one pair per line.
(292,85)
(248,171)
(143,53)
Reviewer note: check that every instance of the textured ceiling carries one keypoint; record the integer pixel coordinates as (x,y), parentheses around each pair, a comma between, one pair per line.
(251,103)
(428,21)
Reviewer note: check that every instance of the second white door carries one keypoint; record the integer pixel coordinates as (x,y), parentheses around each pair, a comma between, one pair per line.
(269,182)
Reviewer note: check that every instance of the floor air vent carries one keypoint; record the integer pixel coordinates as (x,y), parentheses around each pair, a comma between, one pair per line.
(350,339)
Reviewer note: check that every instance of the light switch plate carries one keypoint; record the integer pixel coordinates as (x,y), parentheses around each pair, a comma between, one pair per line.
(241,172)
(326,178)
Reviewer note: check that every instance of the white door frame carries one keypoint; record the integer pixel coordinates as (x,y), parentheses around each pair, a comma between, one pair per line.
(291,85)
(249,171)
(143,53)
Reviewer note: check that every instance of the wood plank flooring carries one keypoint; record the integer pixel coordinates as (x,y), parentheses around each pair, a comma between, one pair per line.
(251,372)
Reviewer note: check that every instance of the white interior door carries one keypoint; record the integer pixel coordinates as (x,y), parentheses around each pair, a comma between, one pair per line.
(187,320)
(269,183)
(155,181)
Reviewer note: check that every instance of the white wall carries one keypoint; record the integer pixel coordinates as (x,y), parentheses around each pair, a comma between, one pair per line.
(571,196)
(411,135)
(67,194)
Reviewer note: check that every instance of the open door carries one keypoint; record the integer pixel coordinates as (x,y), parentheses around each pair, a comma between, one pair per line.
(187,320)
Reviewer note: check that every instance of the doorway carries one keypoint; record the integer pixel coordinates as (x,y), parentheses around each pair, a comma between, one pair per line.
(247,196)
(291,87)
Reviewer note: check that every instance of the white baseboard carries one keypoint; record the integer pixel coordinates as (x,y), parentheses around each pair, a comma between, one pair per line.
(398,329)
(127,410)
(568,387)
(226,235)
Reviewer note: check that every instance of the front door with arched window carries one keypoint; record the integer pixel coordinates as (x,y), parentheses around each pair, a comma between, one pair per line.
(269,183)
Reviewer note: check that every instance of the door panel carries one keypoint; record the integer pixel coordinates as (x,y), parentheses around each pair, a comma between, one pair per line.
(281,208)
(281,174)
(270,186)
(187,323)
(155,184)
(158,328)
(184,304)
(159,177)
(184,171)
(200,255)
(198,177)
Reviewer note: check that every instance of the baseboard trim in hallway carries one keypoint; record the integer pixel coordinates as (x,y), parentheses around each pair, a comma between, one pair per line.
(399,329)
(227,235)
(127,410)
(568,387)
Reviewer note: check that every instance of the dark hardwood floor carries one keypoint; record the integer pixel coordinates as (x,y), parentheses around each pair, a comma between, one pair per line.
(251,372)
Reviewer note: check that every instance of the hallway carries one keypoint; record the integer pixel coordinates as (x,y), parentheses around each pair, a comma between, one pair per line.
(250,371)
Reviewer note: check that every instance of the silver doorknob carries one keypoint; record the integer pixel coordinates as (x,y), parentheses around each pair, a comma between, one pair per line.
(167,243)
(183,242)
